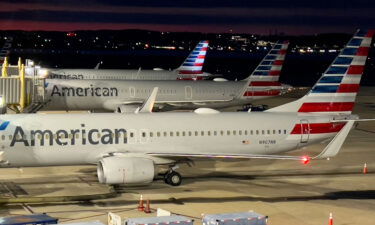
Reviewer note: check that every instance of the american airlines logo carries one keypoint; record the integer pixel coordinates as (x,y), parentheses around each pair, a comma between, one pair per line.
(84,92)
(4,125)
(63,137)
(66,77)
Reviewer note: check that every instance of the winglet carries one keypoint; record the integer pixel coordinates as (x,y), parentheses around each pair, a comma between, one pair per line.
(149,104)
(98,65)
(335,145)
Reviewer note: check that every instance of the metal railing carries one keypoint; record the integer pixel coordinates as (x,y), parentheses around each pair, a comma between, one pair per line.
(19,92)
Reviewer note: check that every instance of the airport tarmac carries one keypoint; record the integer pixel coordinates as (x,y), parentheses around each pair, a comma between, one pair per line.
(286,191)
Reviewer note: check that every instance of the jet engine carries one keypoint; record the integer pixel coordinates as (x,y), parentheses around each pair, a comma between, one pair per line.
(125,170)
(126,108)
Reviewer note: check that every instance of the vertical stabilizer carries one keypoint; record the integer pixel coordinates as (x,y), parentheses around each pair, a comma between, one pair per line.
(264,80)
(193,64)
(335,91)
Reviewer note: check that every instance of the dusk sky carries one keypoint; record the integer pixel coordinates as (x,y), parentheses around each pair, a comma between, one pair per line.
(245,16)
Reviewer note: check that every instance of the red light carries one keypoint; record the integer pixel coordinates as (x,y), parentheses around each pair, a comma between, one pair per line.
(71,34)
(305,159)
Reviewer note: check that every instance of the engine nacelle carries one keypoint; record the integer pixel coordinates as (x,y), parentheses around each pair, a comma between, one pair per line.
(220,79)
(126,108)
(125,170)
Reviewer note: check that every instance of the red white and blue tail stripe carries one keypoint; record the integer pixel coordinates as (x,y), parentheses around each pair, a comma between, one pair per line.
(194,62)
(264,81)
(336,90)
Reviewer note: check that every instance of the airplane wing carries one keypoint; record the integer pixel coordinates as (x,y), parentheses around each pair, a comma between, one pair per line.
(112,105)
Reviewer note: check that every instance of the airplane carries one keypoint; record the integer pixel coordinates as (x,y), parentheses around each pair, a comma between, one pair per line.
(127,95)
(130,149)
(190,69)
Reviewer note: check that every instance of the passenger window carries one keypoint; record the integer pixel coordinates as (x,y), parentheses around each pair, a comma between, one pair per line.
(171,133)
(151,134)
(196,133)
(279,131)
(202,133)
(228,132)
(189,133)
(158,134)
(257,132)
(177,133)
(262,132)
(240,132)
(165,134)
(209,133)
(245,132)
(251,132)
(221,132)
(268,132)
(284,131)
(215,133)
(274,132)
(131,134)
(3,137)
(10,137)
(183,133)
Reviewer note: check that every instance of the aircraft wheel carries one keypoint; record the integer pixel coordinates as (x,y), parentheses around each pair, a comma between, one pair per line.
(173,178)
(166,178)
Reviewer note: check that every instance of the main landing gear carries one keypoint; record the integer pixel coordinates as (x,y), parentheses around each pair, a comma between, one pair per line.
(172,178)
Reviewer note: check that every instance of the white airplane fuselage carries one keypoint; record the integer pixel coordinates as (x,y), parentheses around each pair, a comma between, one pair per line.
(76,139)
(116,74)
(108,95)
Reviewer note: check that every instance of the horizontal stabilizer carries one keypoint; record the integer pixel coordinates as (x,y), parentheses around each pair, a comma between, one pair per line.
(334,146)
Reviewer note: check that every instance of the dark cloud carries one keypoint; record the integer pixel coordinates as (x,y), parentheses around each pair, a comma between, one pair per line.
(175,19)
(316,4)
(214,13)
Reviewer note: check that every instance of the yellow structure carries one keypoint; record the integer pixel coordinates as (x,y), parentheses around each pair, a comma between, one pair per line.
(20,93)
(23,88)
(19,63)
(4,70)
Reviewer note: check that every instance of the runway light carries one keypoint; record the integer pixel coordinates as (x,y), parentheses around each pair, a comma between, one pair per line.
(305,159)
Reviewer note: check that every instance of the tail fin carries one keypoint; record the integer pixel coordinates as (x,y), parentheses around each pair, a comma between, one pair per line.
(335,91)
(194,62)
(264,80)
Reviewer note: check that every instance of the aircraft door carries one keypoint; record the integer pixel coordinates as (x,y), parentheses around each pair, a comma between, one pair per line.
(305,130)
(188,92)
(132,92)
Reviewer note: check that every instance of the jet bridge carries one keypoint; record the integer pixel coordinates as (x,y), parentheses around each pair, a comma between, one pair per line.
(18,92)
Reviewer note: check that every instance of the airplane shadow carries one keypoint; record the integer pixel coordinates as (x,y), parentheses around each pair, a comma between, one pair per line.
(339,195)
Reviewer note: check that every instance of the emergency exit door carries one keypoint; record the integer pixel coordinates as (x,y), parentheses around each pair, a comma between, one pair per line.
(188,92)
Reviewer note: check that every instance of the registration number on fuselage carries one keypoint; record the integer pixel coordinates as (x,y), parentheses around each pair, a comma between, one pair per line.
(267,142)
